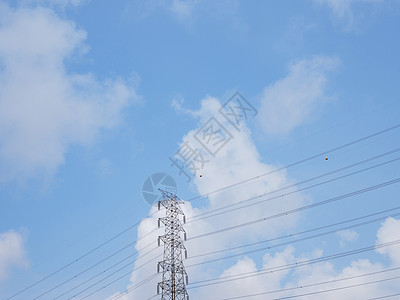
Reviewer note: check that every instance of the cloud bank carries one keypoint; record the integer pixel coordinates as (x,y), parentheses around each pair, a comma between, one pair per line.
(295,97)
(12,252)
(44,108)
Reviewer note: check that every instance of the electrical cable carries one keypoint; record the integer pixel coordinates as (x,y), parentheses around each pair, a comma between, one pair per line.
(289,242)
(311,285)
(196,217)
(76,260)
(297,162)
(301,232)
(228,278)
(98,274)
(302,208)
(131,289)
(383,297)
(202,196)
(93,266)
(338,288)
(110,283)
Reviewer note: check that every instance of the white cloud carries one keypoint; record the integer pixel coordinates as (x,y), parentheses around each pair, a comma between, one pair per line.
(389,232)
(12,252)
(186,11)
(183,9)
(347,236)
(44,109)
(345,10)
(60,3)
(289,102)
(227,167)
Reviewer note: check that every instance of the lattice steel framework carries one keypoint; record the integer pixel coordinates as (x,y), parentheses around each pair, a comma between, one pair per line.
(174,274)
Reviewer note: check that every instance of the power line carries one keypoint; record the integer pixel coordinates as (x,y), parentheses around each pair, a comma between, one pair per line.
(199,197)
(339,288)
(301,232)
(311,285)
(322,233)
(228,278)
(110,283)
(93,266)
(76,260)
(286,243)
(334,199)
(196,217)
(102,272)
(131,289)
(383,297)
(297,162)
(225,209)
(273,246)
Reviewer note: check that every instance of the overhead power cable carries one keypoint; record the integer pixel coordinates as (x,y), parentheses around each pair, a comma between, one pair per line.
(105,270)
(132,288)
(384,297)
(297,162)
(338,288)
(244,204)
(93,266)
(288,242)
(228,278)
(302,232)
(77,260)
(304,286)
(228,208)
(112,282)
(302,208)
(199,197)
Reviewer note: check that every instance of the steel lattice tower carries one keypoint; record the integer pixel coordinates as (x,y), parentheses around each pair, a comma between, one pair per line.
(174,274)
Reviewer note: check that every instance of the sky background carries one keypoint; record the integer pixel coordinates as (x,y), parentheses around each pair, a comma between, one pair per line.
(95,97)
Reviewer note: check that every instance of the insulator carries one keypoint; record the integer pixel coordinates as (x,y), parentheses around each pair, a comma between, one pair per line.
(158,241)
(159,205)
(184,219)
(158,223)
(184,236)
(185,253)
(187,281)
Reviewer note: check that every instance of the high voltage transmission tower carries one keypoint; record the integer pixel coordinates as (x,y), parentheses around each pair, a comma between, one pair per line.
(174,274)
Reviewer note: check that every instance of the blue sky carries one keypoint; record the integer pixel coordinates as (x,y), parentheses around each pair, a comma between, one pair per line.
(96,97)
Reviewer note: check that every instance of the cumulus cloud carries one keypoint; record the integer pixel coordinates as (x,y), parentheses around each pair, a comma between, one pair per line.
(59,3)
(183,9)
(344,10)
(288,102)
(225,168)
(12,252)
(44,109)
(389,232)
(358,279)
(347,236)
